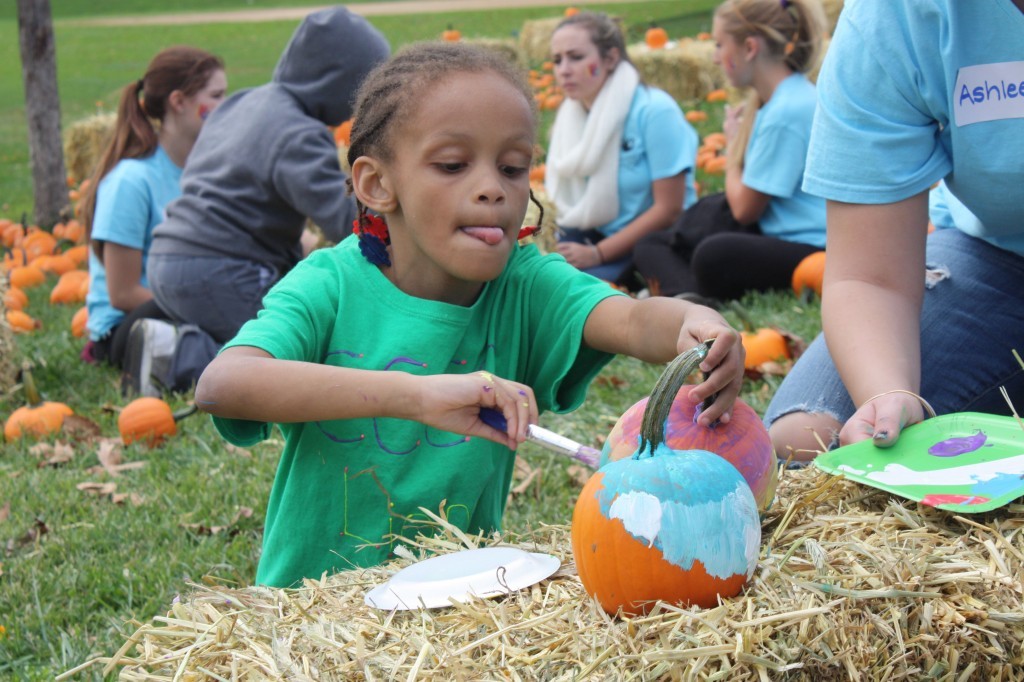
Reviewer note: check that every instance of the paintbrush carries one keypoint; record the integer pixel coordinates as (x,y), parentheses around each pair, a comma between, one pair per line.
(548,440)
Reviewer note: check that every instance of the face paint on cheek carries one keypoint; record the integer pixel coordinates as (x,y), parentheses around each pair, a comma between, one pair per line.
(594,70)
(204,111)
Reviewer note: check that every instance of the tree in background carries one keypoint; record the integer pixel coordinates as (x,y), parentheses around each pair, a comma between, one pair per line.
(42,109)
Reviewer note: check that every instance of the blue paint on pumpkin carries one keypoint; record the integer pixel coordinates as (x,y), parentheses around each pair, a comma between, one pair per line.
(689,504)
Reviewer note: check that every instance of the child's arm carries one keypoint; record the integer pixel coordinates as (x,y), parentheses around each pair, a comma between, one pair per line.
(244,382)
(659,328)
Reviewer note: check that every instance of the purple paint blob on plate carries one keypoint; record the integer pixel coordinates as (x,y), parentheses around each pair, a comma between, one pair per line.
(951,447)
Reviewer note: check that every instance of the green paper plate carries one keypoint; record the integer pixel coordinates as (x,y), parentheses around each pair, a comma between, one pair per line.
(966,462)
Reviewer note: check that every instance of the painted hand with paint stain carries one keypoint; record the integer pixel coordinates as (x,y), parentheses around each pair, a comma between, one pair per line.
(452,402)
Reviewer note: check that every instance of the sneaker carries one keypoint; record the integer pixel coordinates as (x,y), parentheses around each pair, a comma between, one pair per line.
(148,357)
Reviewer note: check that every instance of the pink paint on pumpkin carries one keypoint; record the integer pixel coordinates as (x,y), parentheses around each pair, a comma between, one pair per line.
(743,442)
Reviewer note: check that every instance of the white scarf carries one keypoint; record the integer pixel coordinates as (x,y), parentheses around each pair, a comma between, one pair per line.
(582,175)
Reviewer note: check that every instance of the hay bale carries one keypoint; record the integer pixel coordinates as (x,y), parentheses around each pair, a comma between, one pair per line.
(84,142)
(851,584)
(506,47)
(686,69)
(8,348)
(535,39)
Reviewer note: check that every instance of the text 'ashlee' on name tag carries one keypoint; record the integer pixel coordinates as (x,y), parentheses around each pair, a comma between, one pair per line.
(989,92)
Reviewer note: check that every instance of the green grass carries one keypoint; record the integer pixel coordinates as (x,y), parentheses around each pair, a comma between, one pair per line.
(77,570)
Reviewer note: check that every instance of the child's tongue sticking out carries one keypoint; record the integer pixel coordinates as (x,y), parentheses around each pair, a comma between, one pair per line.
(488,235)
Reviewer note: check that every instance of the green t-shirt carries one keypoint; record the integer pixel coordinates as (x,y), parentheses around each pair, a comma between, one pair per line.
(344,488)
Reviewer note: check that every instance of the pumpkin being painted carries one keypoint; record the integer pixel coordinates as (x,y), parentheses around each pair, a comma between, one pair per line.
(677,526)
(743,442)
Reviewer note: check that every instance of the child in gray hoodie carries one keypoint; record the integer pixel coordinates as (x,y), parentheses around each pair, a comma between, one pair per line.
(264,163)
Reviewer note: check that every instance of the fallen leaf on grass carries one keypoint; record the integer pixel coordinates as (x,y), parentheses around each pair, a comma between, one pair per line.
(231,527)
(235,450)
(109,455)
(55,453)
(5,512)
(526,475)
(80,429)
(612,380)
(117,469)
(579,474)
(99,489)
(120,498)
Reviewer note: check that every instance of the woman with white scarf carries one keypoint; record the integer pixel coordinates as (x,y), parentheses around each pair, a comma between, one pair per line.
(621,160)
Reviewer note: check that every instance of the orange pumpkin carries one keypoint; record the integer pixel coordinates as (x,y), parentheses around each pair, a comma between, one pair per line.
(451,35)
(11,234)
(79,254)
(38,243)
(69,287)
(679,526)
(15,258)
(537,174)
(696,116)
(37,417)
(764,345)
(149,421)
(718,95)
(809,274)
(79,322)
(15,299)
(571,11)
(716,165)
(656,37)
(714,141)
(58,264)
(26,276)
(21,322)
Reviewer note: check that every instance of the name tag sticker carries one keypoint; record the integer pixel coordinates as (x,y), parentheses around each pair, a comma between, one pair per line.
(989,92)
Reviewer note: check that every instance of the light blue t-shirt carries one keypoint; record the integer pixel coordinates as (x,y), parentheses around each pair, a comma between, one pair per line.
(130,202)
(657,143)
(774,164)
(939,95)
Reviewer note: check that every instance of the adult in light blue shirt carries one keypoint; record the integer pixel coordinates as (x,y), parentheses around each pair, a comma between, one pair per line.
(753,236)
(621,159)
(910,93)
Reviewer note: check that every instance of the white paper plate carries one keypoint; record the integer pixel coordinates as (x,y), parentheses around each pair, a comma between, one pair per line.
(481,573)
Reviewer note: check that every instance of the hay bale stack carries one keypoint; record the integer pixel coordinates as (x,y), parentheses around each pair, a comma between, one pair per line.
(84,142)
(535,39)
(506,47)
(8,349)
(851,584)
(686,70)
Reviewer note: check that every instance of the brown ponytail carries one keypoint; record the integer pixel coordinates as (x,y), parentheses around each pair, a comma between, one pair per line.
(142,102)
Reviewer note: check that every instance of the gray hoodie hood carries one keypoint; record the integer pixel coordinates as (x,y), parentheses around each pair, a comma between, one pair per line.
(325,61)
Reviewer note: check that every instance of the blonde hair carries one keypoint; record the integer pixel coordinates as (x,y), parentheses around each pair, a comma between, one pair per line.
(793,32)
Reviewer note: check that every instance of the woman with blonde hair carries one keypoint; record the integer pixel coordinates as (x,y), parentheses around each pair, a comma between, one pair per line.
(764,224)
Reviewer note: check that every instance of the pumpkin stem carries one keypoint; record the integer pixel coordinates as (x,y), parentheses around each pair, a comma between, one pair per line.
(652,427)
(28,383)
(185,412)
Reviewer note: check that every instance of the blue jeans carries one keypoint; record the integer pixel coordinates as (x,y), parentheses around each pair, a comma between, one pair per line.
(971,320)
(609,272)
(218,294)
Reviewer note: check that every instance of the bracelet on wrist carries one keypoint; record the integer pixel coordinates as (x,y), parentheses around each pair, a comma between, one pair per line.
(928,410)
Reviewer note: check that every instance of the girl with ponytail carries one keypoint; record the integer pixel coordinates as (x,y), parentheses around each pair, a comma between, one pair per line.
(766,223)
(158,120)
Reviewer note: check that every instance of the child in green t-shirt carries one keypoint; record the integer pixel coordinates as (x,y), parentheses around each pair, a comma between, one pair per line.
(375,357)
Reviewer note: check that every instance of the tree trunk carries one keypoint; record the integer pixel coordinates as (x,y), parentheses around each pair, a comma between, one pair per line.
(42,109)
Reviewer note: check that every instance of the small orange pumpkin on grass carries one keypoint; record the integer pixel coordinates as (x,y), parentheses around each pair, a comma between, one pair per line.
(21,322)
(149,421)
(37,417)
(15,299)
(69,287)
(79,322)
(26,276)
(809,275)
(451,34)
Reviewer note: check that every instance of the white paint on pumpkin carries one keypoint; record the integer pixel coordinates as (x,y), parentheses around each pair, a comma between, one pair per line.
(639,512)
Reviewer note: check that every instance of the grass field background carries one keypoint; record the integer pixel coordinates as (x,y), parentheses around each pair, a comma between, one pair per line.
(79,570)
